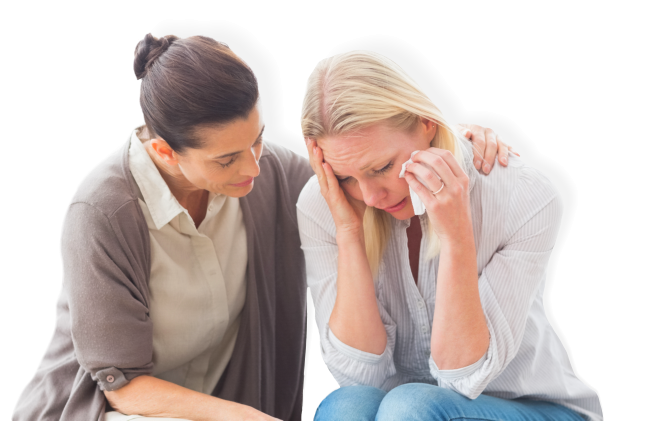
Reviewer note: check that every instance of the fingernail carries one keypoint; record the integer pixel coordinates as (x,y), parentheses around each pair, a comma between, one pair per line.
(505,160)
(315,150)
(477,164)
(486,168)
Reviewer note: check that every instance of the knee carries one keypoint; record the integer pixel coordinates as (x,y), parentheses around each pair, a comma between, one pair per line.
(355,403)
(423,402)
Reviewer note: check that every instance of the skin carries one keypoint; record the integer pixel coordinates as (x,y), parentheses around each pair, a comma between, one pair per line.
(361,169)
(228,156)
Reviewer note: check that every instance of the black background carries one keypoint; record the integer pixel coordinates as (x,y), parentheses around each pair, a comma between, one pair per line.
(522,93)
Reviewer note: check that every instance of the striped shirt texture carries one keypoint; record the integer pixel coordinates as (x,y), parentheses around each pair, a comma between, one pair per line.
(516,215)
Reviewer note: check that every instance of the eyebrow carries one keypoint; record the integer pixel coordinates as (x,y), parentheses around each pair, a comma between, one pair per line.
(230,154)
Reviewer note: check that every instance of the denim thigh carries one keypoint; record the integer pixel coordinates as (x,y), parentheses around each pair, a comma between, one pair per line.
(355,403)
(426,402)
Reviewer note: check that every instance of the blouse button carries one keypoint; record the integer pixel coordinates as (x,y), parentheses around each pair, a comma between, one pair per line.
(110,378)
(421,304)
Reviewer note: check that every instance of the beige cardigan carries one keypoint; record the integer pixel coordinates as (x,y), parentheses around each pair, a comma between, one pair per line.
(103,336)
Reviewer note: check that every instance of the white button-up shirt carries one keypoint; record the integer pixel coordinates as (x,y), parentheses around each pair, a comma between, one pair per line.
(197,283)
(516,215)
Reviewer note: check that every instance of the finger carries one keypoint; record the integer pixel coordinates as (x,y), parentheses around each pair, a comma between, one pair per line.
(424,173)
(335,193)
(503,151)
(316,164)
(439,166)
(513,152)
(450,160)
(479,143)
(490,151)
(424,194)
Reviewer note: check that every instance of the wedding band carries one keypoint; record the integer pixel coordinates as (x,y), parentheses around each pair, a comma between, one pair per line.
(439,190)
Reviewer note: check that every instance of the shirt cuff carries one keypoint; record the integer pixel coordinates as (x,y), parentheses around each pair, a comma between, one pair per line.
(352,353)
(450,374)
(110,379)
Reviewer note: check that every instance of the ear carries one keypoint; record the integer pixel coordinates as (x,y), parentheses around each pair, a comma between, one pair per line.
(429,127)
(164,151)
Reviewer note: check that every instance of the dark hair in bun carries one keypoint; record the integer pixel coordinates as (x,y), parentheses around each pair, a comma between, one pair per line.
(191,83)
(148,50)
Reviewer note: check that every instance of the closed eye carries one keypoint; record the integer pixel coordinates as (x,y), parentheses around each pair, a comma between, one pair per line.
(382,171)
(234,158)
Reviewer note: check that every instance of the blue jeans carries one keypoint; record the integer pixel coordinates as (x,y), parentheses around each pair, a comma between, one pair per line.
(425,402)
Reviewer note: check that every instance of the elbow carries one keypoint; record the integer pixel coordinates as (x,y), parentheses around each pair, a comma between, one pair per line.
(369,341)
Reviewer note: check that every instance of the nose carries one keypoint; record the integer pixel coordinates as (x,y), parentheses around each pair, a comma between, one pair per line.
(373,193)
(250,165)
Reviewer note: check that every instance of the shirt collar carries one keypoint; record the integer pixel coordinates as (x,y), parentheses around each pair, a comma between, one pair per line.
(162,204)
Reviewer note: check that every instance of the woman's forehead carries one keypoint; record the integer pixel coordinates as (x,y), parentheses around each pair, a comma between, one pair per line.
(360,151)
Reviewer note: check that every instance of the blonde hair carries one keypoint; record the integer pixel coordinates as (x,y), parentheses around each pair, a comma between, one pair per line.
(352,91)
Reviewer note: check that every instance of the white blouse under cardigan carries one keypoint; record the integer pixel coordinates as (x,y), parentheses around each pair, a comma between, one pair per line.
(197,284)
(516,214)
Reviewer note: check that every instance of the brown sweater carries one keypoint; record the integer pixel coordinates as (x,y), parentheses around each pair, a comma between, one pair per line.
(103,336)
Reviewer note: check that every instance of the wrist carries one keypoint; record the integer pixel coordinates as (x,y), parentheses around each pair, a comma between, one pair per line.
(350,236)
(461,242)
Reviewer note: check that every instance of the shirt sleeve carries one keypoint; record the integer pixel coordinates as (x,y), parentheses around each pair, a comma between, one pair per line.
(348,365)
(103,275)
(510,282)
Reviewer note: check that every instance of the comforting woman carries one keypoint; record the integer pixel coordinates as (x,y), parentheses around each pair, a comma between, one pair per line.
(184,289)
(437,316)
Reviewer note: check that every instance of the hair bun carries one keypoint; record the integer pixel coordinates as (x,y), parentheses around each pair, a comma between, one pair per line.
(147,52)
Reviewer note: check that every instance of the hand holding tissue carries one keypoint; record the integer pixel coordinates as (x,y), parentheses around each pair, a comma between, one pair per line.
(417,203)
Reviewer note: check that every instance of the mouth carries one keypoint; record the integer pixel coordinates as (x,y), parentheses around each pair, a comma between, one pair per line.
(245,183)
(397,207)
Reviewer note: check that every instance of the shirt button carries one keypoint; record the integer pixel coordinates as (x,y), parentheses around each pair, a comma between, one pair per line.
(110,378)
(420,304)
(424,329)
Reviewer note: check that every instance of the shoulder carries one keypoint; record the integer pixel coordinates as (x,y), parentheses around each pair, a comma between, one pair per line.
(516,193)
(531,190)
(311,201)
(313,208)
(105,210)
(109,186)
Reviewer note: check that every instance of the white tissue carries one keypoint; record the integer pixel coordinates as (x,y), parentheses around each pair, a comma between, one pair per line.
(417,204)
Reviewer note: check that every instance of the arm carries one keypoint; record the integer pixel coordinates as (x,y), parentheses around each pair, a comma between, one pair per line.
(150,396)
(459,335)
(110,325)
(509,283)
(355,319)
(348,365)
(318,235)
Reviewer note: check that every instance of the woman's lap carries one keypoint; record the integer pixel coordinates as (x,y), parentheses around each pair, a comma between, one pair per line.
(428,402)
